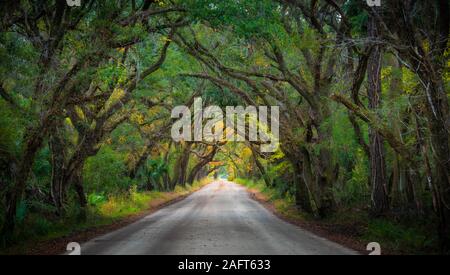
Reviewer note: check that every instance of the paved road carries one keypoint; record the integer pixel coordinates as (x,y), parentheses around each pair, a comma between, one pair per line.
(219,219)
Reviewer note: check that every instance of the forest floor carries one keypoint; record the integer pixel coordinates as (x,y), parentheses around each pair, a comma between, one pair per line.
(111,215)
(352,228)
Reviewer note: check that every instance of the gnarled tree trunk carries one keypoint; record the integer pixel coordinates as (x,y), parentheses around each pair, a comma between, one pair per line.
(380,202)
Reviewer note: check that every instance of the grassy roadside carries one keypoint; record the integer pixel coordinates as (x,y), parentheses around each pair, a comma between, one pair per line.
(40,235)
(351,227)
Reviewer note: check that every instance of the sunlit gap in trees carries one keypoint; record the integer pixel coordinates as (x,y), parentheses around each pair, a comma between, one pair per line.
(234,129)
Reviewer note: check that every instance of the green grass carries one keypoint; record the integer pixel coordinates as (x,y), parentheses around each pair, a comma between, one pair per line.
(258,185)
(283,203)
(402,238)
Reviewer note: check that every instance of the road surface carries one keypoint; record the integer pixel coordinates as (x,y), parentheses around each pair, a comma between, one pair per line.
(219,219)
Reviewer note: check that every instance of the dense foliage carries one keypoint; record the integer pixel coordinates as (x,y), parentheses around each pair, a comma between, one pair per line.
(86,95)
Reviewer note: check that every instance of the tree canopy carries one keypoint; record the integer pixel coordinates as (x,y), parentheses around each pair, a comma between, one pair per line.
(86,95)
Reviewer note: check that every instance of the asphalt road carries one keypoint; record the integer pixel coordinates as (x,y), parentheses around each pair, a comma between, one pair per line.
(219,219)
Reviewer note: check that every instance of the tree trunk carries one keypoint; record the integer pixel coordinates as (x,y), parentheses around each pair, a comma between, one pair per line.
(34,140)
(380,203)
(201,164)
(142,159)
(261,168)
(57,149)
(302,196)
(327,175)
(181,167)
(394,94)
(78,185)
(438,118)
